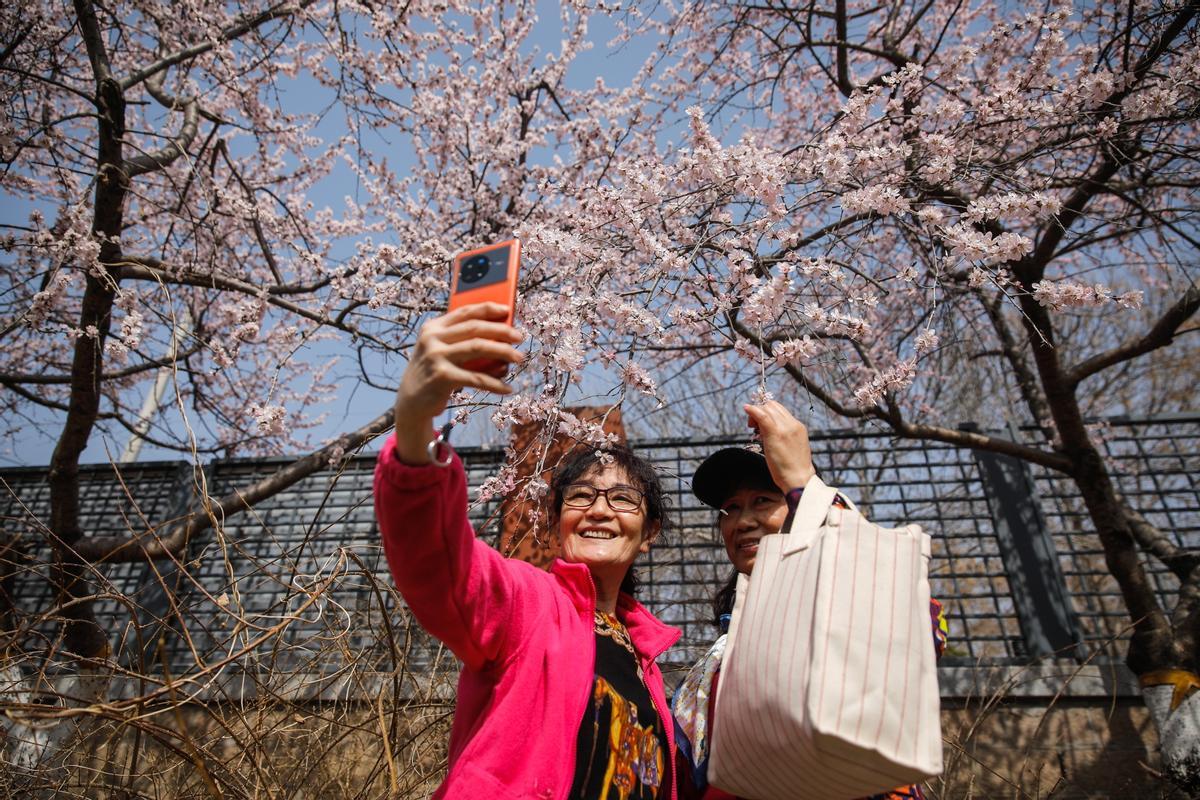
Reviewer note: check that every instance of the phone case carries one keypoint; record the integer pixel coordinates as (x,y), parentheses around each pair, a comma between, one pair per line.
(486,274)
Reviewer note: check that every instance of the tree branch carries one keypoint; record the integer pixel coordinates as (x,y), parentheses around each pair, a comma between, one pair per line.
(259,234)
(1181,562)
(959,438)
(41,379)
(150,545)
(979,441)
(149,162)
(148,268)
(246,25)
(818,392)
(93,40)
(1161,335)
(1094,183)
(1027,380)
(845,85)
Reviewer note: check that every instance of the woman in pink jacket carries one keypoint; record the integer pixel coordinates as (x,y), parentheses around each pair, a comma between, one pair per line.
(559,695)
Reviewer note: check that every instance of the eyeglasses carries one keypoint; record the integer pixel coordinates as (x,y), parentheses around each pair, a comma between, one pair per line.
(620,498)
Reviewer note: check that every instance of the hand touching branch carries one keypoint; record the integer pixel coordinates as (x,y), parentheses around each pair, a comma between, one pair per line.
(785,444)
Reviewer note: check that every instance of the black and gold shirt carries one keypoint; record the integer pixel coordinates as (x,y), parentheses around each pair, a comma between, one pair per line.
(621,749)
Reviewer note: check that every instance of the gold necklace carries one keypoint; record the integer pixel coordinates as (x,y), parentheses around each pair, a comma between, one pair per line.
(608,625)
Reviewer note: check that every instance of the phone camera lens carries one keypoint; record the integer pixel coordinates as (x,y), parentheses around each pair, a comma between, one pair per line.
(474,269)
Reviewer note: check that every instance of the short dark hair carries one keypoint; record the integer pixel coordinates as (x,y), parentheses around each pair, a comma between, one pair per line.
(638,470)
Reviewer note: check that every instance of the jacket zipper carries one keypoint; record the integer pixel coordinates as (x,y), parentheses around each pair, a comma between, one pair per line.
(668,757)
(583,704)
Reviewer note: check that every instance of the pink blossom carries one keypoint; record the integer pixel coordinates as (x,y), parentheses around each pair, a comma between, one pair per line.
(269,419)
(116,350)
(972,244)
(336,455)
(131,329)
(978,277)
(760,396)
(637,377)
(1058,295)
(895,379)
(585,431)
(501,484)
(747,349)
(938,156)
(46,300)
(927,340)
(766,303)
(882,200)
(1037,205)
(794,351)
(1131,299)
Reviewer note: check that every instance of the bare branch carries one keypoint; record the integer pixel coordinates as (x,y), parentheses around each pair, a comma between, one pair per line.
(149,162)
(1161,335)
(1181,562)
(93,39)
(42,379)
(979,441)
(845,85)
(151,545)
(1027,380)
(148,268)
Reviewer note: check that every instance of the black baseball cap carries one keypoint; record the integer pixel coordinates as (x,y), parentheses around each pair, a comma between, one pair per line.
(727,470)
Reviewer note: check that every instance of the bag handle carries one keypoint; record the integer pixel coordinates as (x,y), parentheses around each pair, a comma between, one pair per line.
(810,515)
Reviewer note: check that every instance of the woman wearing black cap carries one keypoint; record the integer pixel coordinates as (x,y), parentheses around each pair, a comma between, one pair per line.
(754,495)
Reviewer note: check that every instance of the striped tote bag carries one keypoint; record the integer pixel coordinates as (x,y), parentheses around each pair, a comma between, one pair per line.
(828,688)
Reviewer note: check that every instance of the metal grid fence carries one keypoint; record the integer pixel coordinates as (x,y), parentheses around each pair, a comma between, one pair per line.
(892,481)
(1157,469)
(265,562)
(111,504)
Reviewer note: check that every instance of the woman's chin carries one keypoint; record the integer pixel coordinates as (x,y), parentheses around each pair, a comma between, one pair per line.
(595,553)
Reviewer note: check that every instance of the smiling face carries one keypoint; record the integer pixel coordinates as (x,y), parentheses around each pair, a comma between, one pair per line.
(746,516)
(607,541)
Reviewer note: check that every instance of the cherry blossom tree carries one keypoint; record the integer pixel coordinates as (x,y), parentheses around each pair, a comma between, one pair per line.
(873,199)
(171,157)
(863,200)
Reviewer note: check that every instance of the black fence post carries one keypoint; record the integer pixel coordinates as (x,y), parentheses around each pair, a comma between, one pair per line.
(1035,578)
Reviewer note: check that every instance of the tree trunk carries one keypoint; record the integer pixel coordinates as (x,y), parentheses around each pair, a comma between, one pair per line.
(81,633)
(1159,653)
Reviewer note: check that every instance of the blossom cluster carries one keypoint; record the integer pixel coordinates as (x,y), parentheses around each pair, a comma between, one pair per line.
(269,419)
(1058,295)
(971,244)
(795,352)
(894,379)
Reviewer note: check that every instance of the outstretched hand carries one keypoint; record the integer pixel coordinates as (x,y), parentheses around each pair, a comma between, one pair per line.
(785,444)
(435,370)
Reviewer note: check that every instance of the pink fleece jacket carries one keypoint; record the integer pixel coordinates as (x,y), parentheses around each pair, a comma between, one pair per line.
(525,637)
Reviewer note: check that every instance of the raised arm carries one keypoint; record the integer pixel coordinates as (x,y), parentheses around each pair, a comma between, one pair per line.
(459,589)
(434,370)
(785,444)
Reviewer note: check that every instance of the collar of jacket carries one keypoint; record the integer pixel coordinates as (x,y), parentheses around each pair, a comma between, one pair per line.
(651,637)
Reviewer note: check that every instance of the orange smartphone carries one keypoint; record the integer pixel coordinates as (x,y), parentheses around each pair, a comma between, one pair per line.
(486,274)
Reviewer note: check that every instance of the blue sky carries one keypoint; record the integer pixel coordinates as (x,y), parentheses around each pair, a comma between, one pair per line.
(33,442)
